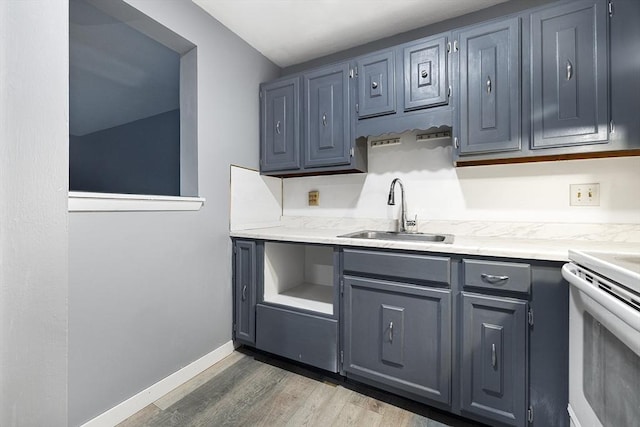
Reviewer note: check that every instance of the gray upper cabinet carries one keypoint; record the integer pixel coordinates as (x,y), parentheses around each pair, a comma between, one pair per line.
(376,84)
(489,105)
(245,279)
(327,124)
(425,73)
(399,336)
(280,125)
(569,74)
(494,358)
(625,68)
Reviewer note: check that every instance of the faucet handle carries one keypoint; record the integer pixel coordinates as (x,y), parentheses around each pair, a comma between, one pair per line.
(413,223)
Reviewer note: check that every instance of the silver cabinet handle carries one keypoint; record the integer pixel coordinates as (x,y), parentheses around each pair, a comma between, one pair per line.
(488,84)
(244,293)
(390,331)
(490,278)
(374,85)
(424,74)
(324,119)
(278,128)
(494,360)
(569,70)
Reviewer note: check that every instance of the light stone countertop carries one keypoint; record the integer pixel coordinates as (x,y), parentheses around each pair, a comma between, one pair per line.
(537,241)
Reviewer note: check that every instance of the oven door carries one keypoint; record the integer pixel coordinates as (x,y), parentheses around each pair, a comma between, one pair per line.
(604,361)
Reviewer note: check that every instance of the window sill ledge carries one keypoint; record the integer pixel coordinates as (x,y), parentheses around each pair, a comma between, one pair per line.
(108,202)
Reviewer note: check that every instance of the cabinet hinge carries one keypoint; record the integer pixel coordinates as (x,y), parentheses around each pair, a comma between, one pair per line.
(449,47)
(530,415)
(530,317)
(449,92)
(341,286)
(357,107)
(341,356)
(351,152)
(612,127)
(234,328)
(455,143)
(610,7)
(353,73)
(455,45)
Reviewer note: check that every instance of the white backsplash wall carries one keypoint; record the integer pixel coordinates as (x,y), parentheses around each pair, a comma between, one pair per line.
(435,190)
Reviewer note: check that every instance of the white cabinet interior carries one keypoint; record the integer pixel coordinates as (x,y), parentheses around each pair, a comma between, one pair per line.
(298,275)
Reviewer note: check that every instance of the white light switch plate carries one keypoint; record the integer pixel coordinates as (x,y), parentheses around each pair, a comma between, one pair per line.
(585,194)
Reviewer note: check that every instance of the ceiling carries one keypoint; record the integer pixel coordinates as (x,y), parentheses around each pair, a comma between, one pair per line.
(289,32)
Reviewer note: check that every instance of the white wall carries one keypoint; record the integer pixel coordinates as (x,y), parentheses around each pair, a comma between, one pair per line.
(34,151)
(438,191)
(150,292)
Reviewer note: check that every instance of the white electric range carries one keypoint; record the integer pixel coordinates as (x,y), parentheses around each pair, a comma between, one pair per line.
(604,338)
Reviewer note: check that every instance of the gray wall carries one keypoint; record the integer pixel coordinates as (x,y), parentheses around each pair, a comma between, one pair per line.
(141,157)
(33,212)
(150,292)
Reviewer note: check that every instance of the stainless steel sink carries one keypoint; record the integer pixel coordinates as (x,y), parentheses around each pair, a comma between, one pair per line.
(396,235)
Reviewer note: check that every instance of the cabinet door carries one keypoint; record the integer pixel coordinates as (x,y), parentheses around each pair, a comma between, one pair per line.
(569,80)
(494,376)
(245,279)
(489,100)
(280,128)
(327,125)
(376,84)
(425,74)
(625,84)
(399,336)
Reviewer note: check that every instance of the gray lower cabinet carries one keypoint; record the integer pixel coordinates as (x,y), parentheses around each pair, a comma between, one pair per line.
(280,125)
(327,119)
(494,358)
(399,336)
(245,284)
(299,336)
(569,74)
(489,110)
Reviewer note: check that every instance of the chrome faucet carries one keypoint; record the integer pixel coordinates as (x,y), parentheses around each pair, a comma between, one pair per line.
(403,208)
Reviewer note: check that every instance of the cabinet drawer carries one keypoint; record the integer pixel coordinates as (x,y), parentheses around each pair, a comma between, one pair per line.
(407,266)
(508,276)
(298,336)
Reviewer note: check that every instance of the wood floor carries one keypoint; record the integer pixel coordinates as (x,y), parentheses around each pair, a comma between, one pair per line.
(251,389)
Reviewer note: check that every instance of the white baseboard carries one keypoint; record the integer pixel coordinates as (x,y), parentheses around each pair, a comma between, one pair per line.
(135,403)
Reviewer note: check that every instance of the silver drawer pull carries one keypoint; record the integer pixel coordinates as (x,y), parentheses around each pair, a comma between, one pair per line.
(244,293)
(488,84)
(390,331)
(494,360)
(424,74)
(490,278)
(374,85)
(278,128)
(324,119)
(569,70)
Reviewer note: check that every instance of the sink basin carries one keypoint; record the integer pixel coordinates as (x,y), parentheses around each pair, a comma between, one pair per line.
(400,236)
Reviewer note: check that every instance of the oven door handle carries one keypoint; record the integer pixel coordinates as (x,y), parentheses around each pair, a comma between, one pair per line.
(625,313)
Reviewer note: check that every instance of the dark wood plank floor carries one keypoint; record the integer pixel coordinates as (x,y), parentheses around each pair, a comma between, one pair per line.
(252,389)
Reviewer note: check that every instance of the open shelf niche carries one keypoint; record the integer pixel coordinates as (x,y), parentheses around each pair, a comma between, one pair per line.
(299,275)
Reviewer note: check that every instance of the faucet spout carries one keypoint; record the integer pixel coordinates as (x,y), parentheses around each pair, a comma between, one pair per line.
(403,208)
